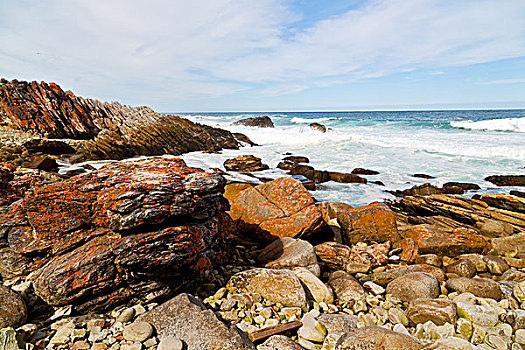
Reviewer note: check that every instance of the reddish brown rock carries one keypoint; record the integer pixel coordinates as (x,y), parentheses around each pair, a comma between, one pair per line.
(418,190)
(290,162)
(465,186)
(247,163)
(403,270)
(507,180)
(462,268)
(126,230)
(318,127)
(346,288)
(436,240)
(309,172)
(232,189)
(276,209)
(352,259)
(423,176)
(373,222)
(409,249)
(439,311)
(481,287)
(260,122)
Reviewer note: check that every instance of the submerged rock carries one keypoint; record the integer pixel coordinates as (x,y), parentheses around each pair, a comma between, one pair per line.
(506,180)
(246,163)
(318,127)
(155,218)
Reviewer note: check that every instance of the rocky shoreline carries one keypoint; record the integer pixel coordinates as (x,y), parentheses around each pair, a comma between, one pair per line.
(153,254)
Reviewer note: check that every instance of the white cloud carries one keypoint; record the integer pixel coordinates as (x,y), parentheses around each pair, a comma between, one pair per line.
(157,50)
(504,81)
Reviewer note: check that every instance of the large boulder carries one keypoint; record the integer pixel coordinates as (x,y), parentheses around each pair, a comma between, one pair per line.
(439,311)
(451,242)
(346,287)
(287,253)
(506,180)
(127,230)
(371,338)
(260,122)
(276,209)
(481,287)
(514,245)
(369,223)
(358,258)
(415,285)
(279,286)
(245,163)
(188,319)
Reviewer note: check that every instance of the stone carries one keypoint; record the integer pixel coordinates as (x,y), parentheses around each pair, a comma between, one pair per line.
(374,288)
(397,316)
(276,209)
(81,345)
(409,249)
(495,264)
(518,319)
(318,127)
(186,318)
(481,315)
(464,327)
(415,285)
(317,289)
(126,230)
(477,259)
(506,180)
(373,222)
(481,287)
(138,331)
(353,259)
(376,338)
(346,288)
(361,171)
(450,242)
(278,286)
(439,311)
(462,268)
(338,324)
(317,176)
(514,244)
(346,178)
(450,343)
(13,310)
(279,342)
(126,315)
(8,339)
(245,163)
(497,342)
(288,253)
(429,259)
(519,291)
(170,343)
(496,228)
(260,122)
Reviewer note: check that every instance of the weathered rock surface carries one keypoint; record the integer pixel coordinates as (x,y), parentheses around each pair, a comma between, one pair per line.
(276,209)
(318,127)
(83,236)
(481,287)
(317,176)
(319,291)
(245,163)
(357,258)
(187,318)
(439,311)
(287,253)
(279,286)
(514,245)
(377,338)
(362,171)
(373,222)
(13,310)
(415,285)
(260,122)
(346,287)
(101,130)
(437,240)
(279,342)
(454,212)
(346,178)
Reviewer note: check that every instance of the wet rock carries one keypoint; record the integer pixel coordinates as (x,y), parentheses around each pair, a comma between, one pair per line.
(496,228)
(13,310)
(244,139)
(415,285)
(361,171)
(42,163)
(290,162)
(373,222)
(462,268)
(330,211)
(346,287)
(186,318)
(439,311)
(288,253)
(260,122)
(346,178)
(90,231)
(377,338)
(279,286)
(466,186)
(506,180)
(276,209)
(317,176)
(423,176)
(517,193)
(318,127)
(245,163)
(418,190)
(481,287)
(436,240)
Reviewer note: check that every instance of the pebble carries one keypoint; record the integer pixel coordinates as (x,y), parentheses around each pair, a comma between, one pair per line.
(170,343)
(138,331)
(126,315)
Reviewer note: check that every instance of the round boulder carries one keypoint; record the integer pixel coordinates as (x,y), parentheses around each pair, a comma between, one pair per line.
(415,285)
(13,311)
(439,311)
(480,287)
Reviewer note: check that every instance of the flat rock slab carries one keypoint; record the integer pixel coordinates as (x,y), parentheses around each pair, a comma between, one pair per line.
(186,318)
(439,311)
(369,338)
(288,253)
(480,287)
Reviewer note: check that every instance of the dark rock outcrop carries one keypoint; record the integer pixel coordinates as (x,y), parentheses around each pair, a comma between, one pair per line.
(245,163)
(361,171)
(100,130)
(317,176)
(260,122)
(127,230)
(506,180)
(13,310)
(318,127)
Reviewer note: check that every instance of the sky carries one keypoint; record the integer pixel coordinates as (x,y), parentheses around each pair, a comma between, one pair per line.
(272,55)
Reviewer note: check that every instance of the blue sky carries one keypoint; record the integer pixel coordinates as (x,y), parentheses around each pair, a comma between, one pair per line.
(272,55)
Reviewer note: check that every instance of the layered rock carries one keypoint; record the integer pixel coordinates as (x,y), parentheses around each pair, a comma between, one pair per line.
(245,163)
(126,230)
(100,130)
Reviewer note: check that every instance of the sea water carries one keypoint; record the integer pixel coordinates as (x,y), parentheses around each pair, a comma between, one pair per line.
(463,146)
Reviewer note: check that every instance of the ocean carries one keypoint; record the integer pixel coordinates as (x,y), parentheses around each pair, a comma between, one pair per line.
(463,146)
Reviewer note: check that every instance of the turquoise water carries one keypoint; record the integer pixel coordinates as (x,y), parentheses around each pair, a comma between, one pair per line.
(450,145)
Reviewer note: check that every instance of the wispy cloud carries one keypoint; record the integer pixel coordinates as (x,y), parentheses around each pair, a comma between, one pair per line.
(180,50)
(504,81)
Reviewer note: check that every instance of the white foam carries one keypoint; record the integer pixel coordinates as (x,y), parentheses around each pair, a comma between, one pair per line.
(298,120)
(505,124)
